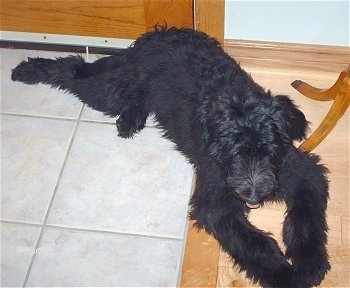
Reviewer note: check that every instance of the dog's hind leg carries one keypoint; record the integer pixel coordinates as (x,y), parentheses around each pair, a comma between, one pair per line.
(107,91)
(104,64)
(220,214)
(304,188)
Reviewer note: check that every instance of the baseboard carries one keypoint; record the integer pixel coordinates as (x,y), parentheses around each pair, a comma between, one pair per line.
(289,55)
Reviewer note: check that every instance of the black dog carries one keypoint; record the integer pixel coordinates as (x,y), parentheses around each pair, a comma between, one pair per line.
(238,137)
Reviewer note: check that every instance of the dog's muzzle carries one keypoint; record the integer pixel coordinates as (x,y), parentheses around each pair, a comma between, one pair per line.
(252,180)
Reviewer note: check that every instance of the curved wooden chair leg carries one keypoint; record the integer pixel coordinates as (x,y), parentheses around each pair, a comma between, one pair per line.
(319,94)
(340,92)
(337,110)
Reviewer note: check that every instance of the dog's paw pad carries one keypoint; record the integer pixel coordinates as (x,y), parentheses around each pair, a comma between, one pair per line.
(124,131)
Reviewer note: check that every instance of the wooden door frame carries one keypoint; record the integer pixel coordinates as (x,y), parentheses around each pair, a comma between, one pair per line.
(56,23)
(209,17)
(201,255)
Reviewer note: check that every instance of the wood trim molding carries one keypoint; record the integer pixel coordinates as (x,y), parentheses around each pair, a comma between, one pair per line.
(126,19)
(209,16)
(177,13)
(108,18)
(294,56)
(201,256)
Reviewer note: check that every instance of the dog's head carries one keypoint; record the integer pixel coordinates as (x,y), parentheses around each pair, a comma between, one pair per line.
(249,138)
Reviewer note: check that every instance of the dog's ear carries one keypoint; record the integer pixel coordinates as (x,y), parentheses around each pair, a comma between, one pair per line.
(289,118)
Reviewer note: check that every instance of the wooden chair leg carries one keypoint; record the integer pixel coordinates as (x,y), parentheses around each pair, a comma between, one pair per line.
(340,92)
(340,105)
(319,94)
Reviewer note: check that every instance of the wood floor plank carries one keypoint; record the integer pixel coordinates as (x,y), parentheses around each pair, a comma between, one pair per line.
(200,265)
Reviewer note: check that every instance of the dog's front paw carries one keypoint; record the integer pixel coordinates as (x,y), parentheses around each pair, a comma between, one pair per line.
(125,130)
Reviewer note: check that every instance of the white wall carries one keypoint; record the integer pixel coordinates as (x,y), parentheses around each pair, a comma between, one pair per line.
(313,22)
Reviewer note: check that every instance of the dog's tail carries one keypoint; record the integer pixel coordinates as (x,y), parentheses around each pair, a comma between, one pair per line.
(78,77)
(59,72)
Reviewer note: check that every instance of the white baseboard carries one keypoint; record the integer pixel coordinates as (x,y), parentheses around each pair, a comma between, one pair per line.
(86,41)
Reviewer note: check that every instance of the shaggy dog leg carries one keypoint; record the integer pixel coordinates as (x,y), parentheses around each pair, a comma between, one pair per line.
(94,84)
(219,213)
(305,189)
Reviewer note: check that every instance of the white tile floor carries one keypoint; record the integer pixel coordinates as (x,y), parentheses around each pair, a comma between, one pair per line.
(80,206)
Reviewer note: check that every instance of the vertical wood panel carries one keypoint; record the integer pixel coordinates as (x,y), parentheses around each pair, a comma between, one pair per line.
(209,17)
(103,18)
(178,13)
(200,264)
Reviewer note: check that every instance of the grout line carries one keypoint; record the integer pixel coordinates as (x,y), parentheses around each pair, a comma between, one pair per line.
(4,221)
(37,245)
(59,118)
(44,224)
(91,230)
(116,233)
(40,116)
(87,54)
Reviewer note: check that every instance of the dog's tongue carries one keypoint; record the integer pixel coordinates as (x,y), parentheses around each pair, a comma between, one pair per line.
(252,206)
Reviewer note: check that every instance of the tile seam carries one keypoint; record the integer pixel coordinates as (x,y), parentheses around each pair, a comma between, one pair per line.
(43,226)
(91,230)
(62,118)
(115,232)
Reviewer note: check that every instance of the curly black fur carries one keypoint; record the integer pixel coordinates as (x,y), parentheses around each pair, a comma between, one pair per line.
(237,135)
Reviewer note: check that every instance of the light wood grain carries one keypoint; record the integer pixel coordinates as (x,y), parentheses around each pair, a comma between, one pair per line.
(307,57)
(345,229)
(199,268)
(209,17)
(201,255)
(104,18)
(339,92)
(177,13)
